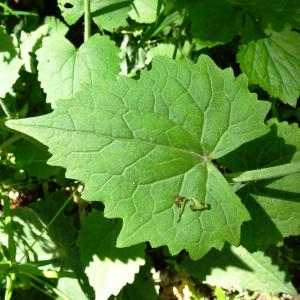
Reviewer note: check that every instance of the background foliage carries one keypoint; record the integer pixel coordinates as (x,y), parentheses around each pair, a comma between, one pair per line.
(171,161)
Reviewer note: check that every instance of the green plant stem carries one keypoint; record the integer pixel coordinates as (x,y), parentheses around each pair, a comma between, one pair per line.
(49,286)
(9,10)
(10,285)
(158,9)
(38,288)
(28,268)
(9,230)
(5,109)
(10,141)
(274,108)
(10,278)
(87,19)
(265,173)
(49,224)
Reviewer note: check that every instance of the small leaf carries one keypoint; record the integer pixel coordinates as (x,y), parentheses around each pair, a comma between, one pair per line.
(137,144)
(160,50)
(30,42)
(274,64)
(144,11)
(10,63)
(107,14)
(56,26)
(143,287)
(239,269)
(219,293)
(107,267)
(63,70)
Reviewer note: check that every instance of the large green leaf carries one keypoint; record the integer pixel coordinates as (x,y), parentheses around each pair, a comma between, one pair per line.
(208,19)
(63,70)
(107,267)
(107,14)
(239,269)
(274,204)
(243,17)
(138,144)
(10,63)
(274,64)
(272,13)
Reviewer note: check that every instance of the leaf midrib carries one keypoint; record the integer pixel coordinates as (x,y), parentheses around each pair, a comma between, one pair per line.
(134,139)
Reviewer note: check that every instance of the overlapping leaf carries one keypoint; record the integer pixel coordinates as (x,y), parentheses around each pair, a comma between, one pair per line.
(63,70)
(107,267)
(144,11)
(239,269)
(10,63)
(139,144)
(274,204)
(107,14)
(274,64)
(29,43)
(249,18)
(208,19)
(143,287)
(32,159)
(275,14)
(56,26)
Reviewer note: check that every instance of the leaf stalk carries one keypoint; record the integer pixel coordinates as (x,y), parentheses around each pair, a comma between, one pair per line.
(87,19)
(5,109)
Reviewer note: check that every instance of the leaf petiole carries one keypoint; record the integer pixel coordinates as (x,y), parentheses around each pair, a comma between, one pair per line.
(265,173)
(87,19)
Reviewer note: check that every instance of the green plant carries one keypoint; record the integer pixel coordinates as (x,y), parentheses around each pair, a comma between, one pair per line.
(163,128)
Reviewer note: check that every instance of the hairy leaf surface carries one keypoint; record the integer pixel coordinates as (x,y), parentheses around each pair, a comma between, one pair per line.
(139,144)
(274,64)
(64,70)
